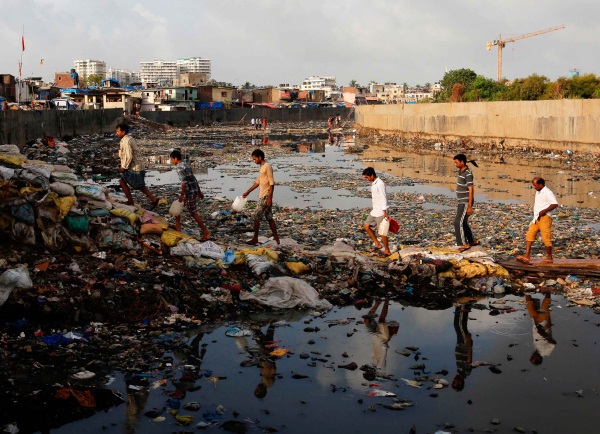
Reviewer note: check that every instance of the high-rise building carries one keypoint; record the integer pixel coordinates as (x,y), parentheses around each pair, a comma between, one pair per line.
(123,76)
(193,65)
(87,67)
(159,72)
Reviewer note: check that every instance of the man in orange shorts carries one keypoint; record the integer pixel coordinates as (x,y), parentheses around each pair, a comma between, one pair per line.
(545,202)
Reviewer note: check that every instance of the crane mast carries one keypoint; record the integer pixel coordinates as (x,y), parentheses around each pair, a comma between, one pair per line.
(502,42)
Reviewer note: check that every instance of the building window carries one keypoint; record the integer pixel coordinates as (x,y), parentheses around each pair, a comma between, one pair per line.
(224,94)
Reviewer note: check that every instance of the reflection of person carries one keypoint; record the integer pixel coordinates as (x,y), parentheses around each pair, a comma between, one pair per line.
(382,333)
(464,346)
(190,192)
(132,167)
(379,211)
(542,327)
(265,196)
(465,194)
(545,202)
(268,369)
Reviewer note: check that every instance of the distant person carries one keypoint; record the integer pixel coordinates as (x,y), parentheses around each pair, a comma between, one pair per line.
(132,167)
(264,122)
(252,122)
(190,192)
(258,122)
(264,208)
(378,213)
(542,328)
(545,202)
(464,346)
(4,105)
(383,331)
(330,122)
(465,193)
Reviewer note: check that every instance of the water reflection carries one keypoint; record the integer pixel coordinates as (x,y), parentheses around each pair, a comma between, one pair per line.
(268,369)
(508,178)
(543,341)
(463,351)
(382,332)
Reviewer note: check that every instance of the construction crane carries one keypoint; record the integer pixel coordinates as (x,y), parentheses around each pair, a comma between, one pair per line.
(502,42)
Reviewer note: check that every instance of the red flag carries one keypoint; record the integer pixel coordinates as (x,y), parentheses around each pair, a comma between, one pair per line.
(23,42)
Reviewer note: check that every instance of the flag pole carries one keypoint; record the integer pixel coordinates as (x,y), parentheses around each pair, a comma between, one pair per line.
(21,66)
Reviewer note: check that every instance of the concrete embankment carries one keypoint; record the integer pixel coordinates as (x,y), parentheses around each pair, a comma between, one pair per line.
(17,127)
(556,124)
(207,117)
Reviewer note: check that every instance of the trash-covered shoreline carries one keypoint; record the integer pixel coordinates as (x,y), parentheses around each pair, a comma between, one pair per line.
(78,264)
(51,198)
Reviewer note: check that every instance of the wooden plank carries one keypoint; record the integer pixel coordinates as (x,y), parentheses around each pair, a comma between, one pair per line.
(579,267)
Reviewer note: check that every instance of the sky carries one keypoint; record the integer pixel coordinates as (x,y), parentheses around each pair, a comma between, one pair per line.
(268,42)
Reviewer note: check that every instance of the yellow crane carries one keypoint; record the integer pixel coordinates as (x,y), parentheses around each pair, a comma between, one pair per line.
(502,42)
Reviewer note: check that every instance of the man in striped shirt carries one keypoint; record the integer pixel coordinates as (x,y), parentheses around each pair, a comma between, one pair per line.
(465,193)
(190,191)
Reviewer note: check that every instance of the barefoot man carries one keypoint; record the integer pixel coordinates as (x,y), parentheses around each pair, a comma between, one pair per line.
(545,202)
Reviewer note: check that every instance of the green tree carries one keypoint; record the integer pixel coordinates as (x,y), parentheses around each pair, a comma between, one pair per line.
(248,85)
(354,83)
(484,89)
(533,87)
(583,87)
(461,76)
(94,80)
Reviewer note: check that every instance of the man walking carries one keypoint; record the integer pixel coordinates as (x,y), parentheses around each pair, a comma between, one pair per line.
(545,202)
(465,193)
(190,191)
(265,196)
(378,213)
(132,167)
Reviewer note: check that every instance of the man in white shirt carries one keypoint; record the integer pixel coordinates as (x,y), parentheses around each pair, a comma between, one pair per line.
(379,212)
(545,202)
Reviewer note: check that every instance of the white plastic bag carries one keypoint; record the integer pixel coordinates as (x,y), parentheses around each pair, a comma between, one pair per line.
(14,278)
(176,208)
(239,203)
(384,227)
(211,250)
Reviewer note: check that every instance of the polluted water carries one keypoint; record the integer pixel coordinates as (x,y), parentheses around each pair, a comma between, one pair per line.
(395,352)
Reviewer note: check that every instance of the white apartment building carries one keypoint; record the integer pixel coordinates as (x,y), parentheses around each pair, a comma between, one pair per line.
(316,82)
(193,65)
(87,67)
(391,93)
(123,76)
(158,71)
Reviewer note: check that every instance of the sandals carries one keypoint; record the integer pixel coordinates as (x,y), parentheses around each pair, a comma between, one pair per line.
(464,248)
(374,249)
(252,243)
(523,259)
(475,243)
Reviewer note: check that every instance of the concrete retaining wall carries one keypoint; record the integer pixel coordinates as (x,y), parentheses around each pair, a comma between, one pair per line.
(556,124)
(206,117)
(17,127)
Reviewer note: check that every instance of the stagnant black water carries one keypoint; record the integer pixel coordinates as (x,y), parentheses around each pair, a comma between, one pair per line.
(509,380)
